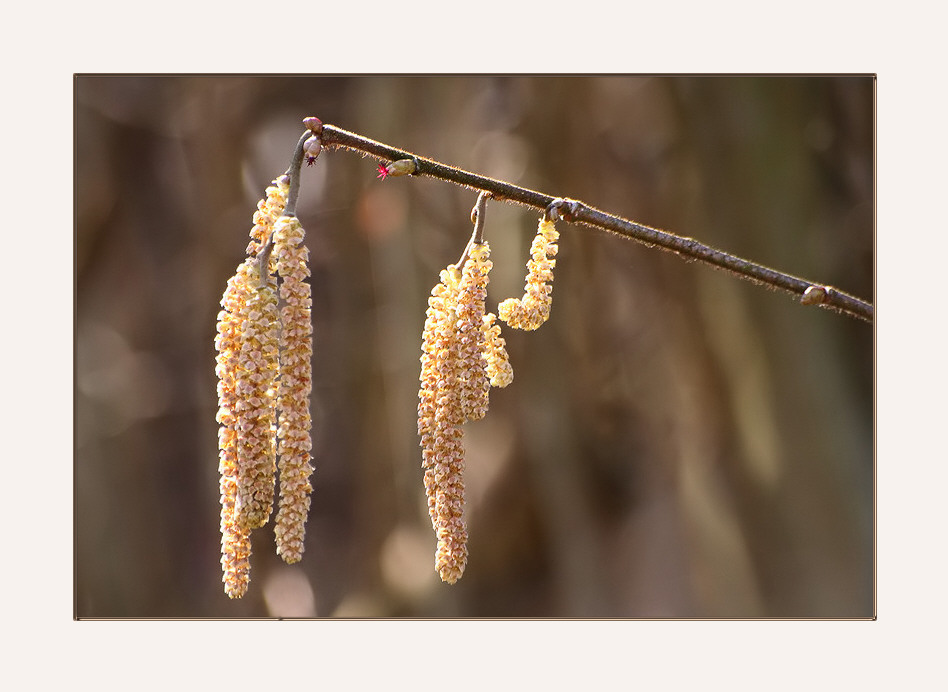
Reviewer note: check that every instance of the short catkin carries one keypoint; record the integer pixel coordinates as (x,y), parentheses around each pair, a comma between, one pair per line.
(533,309)
(495,353)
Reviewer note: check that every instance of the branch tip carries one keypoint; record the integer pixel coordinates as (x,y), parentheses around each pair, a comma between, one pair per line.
(293,172)
(313,124)
(477,218)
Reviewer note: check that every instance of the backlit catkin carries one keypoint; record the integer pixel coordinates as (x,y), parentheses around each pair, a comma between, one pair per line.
(472,292)
(533,309)
(440,423)
(296,349)
(246,345)
(235,540)
(461,353)
(437,335)
(448,468)
(495,353)
(256,406)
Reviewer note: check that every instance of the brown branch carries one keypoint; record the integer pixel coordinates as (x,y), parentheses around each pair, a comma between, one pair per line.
(810,293)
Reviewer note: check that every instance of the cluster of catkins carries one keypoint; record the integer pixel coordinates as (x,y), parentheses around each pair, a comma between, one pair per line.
(463,355)
(264,376)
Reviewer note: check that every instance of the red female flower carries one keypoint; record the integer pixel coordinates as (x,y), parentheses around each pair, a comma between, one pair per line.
(399,167)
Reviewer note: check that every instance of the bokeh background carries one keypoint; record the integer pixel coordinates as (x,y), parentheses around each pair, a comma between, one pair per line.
(676,442)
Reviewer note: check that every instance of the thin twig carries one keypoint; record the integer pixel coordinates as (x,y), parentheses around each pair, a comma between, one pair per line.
(289,209)
(477,235)
(294,174)
(579,212)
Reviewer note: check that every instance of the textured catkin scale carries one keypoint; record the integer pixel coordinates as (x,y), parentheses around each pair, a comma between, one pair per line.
(268,211)
(495,353)
(235,540)
(295,384)
(533,309)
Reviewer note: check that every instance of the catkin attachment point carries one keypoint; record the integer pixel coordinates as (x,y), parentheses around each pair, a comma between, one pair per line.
(814,295)
(562,208)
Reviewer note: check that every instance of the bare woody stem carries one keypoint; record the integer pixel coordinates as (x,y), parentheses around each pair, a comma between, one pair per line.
(477,218)
(293,173)
(289,209)
(579,212)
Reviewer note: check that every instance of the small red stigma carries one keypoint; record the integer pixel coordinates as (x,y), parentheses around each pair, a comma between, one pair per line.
(310,160)
(383,172)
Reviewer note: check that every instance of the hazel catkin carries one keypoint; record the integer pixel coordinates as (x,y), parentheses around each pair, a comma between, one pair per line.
(533,309)
(440,419)
(462,356)
(246,345)
(474,382)
(295,384)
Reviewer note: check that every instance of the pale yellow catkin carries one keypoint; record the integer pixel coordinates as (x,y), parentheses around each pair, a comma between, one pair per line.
(441,304)
(533,309)
(235,540)
(440,420)
(461,353)
(244,439)
(247,347)
(256,405)
(448,477)
(472,292)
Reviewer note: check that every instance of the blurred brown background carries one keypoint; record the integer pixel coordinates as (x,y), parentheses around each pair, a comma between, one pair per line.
(676,442)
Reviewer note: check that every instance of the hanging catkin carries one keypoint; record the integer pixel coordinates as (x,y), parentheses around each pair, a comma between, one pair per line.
(247,346)
(295,384)
(462,356)
(533,309)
